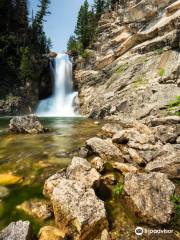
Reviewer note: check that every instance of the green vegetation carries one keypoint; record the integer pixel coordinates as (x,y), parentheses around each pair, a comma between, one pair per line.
(87,54)
(175,103)
(176,220)
(118,190)
(22,194)
(161,72)
(120,69)
(22,43)
(86,27)
(159,51)
(139,81)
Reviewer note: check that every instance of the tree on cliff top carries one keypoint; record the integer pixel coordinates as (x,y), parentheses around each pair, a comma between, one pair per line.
(84,27)
(99,7)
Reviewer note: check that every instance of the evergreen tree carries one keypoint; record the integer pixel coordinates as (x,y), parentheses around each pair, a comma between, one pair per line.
(74,46)
(26,66)
(99,6)
(41,13)
(22,43)
(83,26)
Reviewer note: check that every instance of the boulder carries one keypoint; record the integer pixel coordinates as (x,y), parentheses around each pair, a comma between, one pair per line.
(151,196)
(105,149)
(135,156)
(124,167)
(169,120)
(111,129)
(133,136)
(109,179)
(51,233)
(98,164)
(169,164)
(20,230)
(52,182)
(77,210)
(79,169)
(26,124)
(167,133)
(38,208)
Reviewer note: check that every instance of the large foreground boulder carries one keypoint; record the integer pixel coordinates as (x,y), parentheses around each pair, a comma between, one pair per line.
(78,211)
(105,149)
(151,196)
(16,231)
(26,124)
(79,169)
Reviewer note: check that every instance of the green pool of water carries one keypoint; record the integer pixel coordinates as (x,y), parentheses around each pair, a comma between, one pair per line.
(36,157)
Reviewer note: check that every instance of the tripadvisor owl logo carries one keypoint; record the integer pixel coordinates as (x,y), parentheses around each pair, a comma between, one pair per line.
(139,231)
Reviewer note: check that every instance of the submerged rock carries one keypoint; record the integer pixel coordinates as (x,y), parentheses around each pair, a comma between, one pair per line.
(9,179)
(77,210)
(38,208)
(17,231)
(105,149)
(151,196)
(4,192)
(26,124)
(51,233)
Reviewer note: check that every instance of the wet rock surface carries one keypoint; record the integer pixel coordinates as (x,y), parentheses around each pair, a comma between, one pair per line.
(51,233)
(26,124)
(38,208)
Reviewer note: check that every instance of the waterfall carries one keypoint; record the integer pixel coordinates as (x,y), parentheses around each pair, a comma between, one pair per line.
(60,104)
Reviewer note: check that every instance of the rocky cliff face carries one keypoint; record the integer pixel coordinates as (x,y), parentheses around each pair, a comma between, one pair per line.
(133,67)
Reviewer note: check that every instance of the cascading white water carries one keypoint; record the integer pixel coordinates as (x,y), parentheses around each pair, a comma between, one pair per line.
(61,103)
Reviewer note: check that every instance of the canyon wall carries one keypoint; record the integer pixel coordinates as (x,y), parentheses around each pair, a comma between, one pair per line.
(132,69)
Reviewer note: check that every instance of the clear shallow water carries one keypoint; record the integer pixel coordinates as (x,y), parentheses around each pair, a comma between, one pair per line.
(36,157)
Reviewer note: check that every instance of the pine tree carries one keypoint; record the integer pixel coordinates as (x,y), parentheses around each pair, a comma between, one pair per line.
(99,6)
(82,27)
(26,66)
(73,45)
(41,13)
(21,16)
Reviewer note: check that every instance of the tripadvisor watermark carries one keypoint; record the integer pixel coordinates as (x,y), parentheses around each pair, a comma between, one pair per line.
(139,231)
